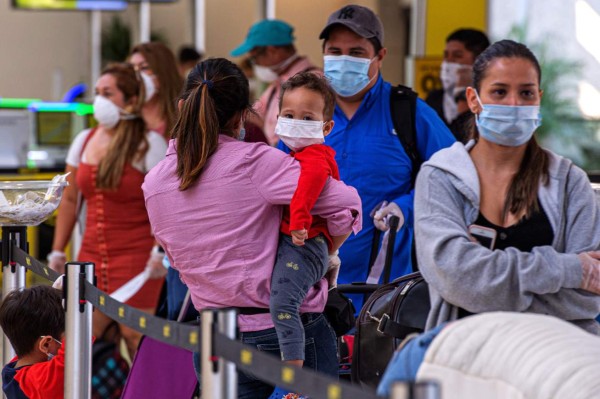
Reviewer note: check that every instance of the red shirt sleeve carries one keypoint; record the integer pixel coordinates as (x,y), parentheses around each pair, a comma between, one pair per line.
(44,380)
(317,163)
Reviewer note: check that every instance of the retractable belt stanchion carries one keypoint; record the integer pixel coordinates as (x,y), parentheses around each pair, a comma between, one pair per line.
(13,274)
(78,332)
(219,377)
(415,390)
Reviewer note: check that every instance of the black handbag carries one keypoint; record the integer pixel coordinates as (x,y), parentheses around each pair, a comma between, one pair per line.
(339,311)
(392,312)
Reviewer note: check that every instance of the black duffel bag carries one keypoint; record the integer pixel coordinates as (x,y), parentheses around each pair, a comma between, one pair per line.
(393,311)
(339,311)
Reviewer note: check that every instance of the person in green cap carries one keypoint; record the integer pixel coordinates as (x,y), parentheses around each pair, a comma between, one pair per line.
(270,47)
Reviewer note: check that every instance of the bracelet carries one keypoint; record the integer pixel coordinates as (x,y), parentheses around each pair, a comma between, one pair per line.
(55,254)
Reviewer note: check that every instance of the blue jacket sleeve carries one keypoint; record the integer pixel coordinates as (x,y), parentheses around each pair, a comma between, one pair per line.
(432,135)
(283,147)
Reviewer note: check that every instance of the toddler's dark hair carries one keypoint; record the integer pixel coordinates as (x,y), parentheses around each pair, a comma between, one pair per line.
(313,82)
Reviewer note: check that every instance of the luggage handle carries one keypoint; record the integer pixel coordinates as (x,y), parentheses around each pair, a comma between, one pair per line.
(388,327)
(393,222)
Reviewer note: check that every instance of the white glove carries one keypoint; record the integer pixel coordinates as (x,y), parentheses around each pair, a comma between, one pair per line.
(155,264)
(333,269)
(58,283)
(381,217)
(56,261)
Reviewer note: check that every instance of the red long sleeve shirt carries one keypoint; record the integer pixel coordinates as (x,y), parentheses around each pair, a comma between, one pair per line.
(317,164)
(44,380)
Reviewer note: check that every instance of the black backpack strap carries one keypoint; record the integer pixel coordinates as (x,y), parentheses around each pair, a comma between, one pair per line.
(403,108)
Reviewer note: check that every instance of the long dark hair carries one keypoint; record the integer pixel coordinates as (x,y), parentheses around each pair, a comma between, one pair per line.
(164,66)
(522,194)
(215,96)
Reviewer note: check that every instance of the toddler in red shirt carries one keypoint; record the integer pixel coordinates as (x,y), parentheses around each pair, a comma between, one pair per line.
(305,117)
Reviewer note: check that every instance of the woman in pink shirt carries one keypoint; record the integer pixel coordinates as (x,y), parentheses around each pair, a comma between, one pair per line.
(215,205)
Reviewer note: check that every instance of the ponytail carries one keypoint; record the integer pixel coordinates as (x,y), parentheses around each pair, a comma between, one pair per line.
(214,98)
(193,150)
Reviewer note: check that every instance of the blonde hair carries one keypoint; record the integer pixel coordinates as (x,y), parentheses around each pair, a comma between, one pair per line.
(129,143)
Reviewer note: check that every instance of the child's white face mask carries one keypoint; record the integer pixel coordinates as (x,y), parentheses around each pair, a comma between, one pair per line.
(297,133)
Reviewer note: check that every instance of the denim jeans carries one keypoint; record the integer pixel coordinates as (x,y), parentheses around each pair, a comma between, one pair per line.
(320,347)
(296,270)
(405,363)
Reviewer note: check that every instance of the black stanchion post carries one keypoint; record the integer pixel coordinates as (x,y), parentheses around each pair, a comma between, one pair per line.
(78,332)
(219,377)
(13,274)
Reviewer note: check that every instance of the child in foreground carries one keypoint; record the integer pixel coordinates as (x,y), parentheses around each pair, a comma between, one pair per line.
(33,319)
(306,249)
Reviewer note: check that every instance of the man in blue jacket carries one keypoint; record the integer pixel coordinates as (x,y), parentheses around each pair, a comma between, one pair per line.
(368,152)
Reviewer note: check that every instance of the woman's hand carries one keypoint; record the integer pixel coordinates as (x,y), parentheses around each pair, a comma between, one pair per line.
(56,261)
(155,264)
(590,265)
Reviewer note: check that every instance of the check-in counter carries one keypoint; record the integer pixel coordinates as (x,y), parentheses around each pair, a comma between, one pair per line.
(35,138)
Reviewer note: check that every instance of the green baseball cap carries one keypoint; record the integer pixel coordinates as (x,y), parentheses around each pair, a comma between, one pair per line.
(269,32)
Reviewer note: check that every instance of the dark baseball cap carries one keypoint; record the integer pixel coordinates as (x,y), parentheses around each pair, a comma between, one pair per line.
(361,20)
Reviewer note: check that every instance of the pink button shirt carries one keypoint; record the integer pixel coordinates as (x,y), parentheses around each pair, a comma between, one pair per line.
(221,234)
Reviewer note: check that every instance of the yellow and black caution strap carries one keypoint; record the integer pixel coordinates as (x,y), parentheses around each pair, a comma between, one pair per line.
(168,331)
(269,368)
(171,332)
(263,366)
(31,263)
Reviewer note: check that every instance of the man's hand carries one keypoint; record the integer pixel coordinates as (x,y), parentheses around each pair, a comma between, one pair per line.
(380,218)
(333,269)
(299,236)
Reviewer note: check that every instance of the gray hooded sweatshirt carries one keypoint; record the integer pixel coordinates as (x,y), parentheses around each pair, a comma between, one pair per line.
(461,273)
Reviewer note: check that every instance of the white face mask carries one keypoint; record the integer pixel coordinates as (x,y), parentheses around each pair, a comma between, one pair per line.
(263,73)
(149,86)
(297,134)
(108,114)
(449,74)
(268,74)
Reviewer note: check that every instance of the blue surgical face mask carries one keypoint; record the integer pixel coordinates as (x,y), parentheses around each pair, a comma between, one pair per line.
(508,125)
(242,134)
(347,75)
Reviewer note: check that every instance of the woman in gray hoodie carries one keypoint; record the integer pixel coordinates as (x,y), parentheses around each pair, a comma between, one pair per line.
(500,223)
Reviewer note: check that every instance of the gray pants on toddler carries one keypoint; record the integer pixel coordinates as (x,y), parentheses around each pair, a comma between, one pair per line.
(296,270)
